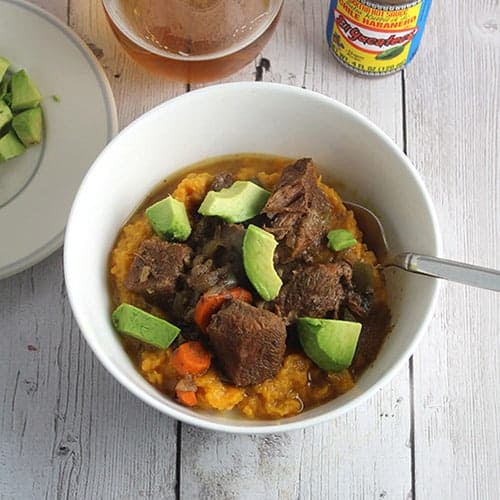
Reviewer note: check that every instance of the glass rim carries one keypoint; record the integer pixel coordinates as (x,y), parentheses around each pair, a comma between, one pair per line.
(179,57)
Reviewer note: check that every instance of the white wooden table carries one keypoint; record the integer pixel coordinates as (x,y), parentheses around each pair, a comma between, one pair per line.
(68,430)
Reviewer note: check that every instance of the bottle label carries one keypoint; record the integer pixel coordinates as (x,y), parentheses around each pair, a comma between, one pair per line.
(375,39)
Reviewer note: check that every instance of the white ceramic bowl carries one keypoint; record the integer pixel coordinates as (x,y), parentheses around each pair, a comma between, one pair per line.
(262,118)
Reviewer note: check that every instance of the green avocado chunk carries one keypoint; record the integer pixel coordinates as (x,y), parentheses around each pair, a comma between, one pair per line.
(4,90)
(28,126)
(5,114)
(238,203)
(4,66)
(258,261)
(143,326)
(330,343)
(340,239)
(24,93)
(169,219)
(10,146)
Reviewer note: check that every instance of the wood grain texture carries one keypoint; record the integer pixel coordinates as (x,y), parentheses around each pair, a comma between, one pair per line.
(365,454)
(67,429)
(453,103)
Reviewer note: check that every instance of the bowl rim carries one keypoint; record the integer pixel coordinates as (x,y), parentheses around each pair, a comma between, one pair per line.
(281,425)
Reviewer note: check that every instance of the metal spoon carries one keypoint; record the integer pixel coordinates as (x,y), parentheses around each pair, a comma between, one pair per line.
(374,237)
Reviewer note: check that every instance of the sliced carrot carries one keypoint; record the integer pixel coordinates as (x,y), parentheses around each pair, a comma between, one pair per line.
(205,307)
(191,358)
(210,303)
(187,398)
(239,293)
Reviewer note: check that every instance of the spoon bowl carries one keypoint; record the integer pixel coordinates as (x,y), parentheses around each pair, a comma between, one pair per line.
(374,237)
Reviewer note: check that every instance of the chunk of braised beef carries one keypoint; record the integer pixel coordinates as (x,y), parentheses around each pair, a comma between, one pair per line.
(231,237)
(221,180)
(203,275)
(249,343)
(218,263)
(298,210)
(203,230)
(317,291)
(210,233)
(229,252)
(182,303)
(155,269)
(222,245)
(359,303)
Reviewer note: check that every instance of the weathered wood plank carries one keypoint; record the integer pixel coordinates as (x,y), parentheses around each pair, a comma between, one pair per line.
(67,429)
(453,100)
(223,466)
(332,460)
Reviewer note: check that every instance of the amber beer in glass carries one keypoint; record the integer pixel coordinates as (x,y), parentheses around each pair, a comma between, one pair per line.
(193,40)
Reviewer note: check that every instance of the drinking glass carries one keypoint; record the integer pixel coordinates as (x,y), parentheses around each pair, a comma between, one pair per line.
(193,40)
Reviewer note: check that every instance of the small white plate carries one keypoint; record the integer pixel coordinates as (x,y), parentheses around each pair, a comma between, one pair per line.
(38,187)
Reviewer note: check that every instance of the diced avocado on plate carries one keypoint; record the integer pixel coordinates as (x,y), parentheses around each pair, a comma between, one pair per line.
(143,326)
(21,121)
(10,146)
(24,93)
(4,91)
(169,219)
(238,203)
(4,66)
(258,261)
(28,126)
(330,343)
(5,114)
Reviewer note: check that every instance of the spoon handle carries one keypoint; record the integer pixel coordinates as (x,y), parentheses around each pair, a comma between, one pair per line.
(467,274)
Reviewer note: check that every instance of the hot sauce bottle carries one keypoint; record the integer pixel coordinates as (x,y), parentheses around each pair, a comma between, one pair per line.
(378,37)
